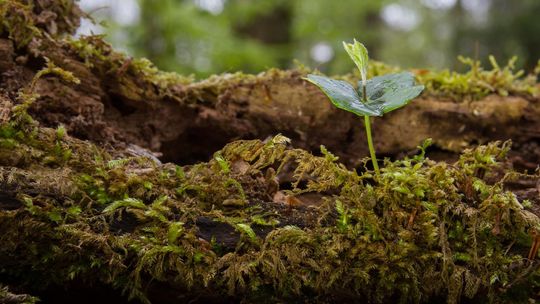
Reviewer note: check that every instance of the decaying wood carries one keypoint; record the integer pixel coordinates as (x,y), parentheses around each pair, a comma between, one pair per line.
(194,120)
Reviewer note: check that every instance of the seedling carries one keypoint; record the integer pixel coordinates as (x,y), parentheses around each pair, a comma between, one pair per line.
(374,97)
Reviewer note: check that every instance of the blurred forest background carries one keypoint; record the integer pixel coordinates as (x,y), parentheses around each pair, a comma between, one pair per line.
(204,37)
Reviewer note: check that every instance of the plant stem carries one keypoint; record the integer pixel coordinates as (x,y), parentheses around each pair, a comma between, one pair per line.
(370,145)
(364,93)
(367,123)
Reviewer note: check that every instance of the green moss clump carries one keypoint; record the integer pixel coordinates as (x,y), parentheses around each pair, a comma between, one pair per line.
(478,82)
(22,21)
(419,222)
(422,230)
(7,297)
(17,22)
(473,84)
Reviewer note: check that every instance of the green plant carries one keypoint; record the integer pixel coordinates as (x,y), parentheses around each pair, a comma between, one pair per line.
(374,97)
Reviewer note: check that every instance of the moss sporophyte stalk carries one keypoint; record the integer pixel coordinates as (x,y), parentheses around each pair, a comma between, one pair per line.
(374,97)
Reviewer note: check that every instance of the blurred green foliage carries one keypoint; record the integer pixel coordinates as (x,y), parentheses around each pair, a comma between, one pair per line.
(203,37)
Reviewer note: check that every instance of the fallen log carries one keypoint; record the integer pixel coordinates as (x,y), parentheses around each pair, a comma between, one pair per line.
(123,100)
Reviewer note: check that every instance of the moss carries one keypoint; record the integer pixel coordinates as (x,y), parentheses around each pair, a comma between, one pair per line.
(23,22)
(52,69)
(22,128)
(137,78)
(478,82)
(152,74)
(90,49)
(421,230)
(473,84)
(18,22)
(7,297)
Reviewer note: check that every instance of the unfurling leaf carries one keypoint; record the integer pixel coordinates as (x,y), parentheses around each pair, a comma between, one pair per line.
(374,97)
(384,93)
(359,54)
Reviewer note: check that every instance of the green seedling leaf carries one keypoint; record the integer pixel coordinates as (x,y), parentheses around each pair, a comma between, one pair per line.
(393,91)
(359,55)
(374,97)
(342,95)
(384,93)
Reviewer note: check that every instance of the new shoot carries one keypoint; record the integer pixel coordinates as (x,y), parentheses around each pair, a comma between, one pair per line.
(374,97)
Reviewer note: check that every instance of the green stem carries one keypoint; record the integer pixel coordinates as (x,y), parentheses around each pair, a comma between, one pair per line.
(364,94)
(367,123)
(370,145)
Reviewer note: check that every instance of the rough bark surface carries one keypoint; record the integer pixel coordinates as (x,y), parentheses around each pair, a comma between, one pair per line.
(192,121)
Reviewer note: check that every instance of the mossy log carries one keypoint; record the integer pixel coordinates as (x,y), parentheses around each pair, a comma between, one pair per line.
(124,100)
(120,181)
